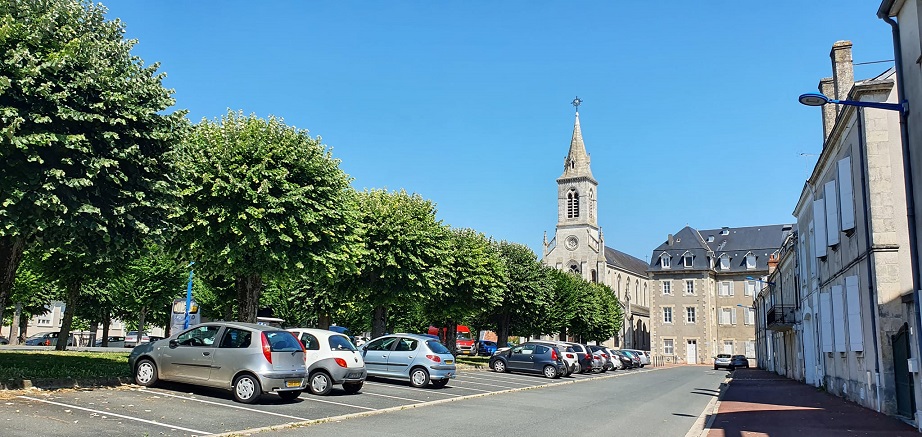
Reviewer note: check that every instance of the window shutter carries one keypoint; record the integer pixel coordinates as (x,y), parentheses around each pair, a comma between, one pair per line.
(731,289)
(732,316)
(838,319)
(832,214)
(826,321)
(853,300)
(819,228)
(846,198)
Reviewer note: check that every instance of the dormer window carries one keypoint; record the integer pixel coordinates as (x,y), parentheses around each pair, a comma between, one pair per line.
(750,261)
(724,262)
(572,204)
(664,261)
(688,260)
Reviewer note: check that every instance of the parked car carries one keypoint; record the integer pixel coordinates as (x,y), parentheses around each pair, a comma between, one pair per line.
(602,351)
(131,338)
(570,360)
(583,357)
(247,358)
(643,355)
(48,339)
(616,363)
(331,359)
(419,358)
(114,341)
(486,347)
(4,340)
(722,361)
(530,357)
(626,361)
(739,361)
(635,360)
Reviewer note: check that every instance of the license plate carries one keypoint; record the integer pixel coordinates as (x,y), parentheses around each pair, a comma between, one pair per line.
(294,383)
(449,361)
(354,375)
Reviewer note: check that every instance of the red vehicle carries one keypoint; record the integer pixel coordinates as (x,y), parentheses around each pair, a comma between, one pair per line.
(464,342)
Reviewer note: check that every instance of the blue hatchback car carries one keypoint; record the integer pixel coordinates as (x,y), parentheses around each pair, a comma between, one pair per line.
(486,347)
(416,357)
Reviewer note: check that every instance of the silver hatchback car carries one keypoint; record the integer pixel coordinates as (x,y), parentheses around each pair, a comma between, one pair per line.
(419,358)
(247,358)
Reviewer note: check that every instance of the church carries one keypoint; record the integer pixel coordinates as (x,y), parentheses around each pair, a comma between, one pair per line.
(578,246)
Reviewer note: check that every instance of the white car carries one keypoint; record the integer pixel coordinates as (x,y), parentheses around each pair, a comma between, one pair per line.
(568,355)
(131,338)
(331,359)
(643,355)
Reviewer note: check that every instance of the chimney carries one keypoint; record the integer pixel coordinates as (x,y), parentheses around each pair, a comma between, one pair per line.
(843,71)
(772,263)
(829,111)
(670,240)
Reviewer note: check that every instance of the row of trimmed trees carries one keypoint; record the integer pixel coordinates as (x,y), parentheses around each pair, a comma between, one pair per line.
(105,196)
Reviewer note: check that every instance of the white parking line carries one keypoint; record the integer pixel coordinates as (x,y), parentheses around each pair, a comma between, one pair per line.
(392,397)
(160,393)
(310,398)
(108,413)
(504,381)
(483,383)
(413,389)
(474,389)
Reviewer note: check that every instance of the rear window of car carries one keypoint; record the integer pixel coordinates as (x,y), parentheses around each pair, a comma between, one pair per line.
(282,341)
(437,347)
(740,357)
(723,355)
(341,343)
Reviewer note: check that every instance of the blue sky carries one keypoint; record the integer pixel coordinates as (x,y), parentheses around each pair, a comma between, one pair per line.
(690,109)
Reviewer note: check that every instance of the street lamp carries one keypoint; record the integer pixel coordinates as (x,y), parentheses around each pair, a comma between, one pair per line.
(817,99)
(185,324)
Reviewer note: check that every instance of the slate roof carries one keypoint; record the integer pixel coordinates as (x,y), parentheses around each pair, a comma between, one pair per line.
(624,261)
(761,241)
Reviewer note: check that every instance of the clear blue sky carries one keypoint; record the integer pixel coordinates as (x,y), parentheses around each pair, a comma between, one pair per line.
(690,109)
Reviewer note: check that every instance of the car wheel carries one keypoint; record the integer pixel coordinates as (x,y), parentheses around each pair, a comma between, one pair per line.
(551,372)
(577,368)
(145,373)
(419,377)
(499,366)
(715,367)
(289,395)
(320,383)
(440,383)
(352,387)
(247,389)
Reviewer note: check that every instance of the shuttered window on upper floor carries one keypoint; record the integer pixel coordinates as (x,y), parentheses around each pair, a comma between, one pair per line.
(846,194)
(819,228)
(832,213)
(853,305)
(838,317)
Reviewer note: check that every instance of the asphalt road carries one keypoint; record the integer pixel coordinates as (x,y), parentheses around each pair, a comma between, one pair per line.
(663,401)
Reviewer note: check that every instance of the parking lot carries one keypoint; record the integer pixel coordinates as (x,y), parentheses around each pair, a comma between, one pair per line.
(179,409)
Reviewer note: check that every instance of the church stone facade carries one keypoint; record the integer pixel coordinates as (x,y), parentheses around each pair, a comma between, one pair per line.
(578,246)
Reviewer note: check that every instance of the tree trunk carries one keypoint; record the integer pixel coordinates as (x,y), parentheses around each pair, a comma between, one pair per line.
(14,326)
(502,337)
(142,323)
(563,335)
(379,322)
(23,327)
(249,288)
(70,306)
(11,248)
(93,328)
(105,331)
(323,320)
(451,337)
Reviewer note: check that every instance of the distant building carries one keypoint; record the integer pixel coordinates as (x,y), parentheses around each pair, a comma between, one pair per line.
(578,246)
(703,284)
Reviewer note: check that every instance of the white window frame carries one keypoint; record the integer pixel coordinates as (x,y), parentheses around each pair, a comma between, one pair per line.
(667,287)
(689,286)
(667,315)
(750,261)
(688,260)
(728,344)
(690,315)
(749,316)
(665,261)
(724,318)
(668,346)
(749,288)
(724,262)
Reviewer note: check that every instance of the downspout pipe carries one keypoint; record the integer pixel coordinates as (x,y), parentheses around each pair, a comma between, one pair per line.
(883,14)
(872,278)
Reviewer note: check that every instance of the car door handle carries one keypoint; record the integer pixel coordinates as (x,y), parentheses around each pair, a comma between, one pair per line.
(206,353)
(385,356)
(411,356)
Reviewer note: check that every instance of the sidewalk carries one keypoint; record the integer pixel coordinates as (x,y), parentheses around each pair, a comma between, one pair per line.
(761,403)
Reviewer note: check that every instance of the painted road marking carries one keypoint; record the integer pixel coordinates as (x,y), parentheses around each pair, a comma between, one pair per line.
(160,393)
(340,403)
(108,413)
(392,397)
(412,388)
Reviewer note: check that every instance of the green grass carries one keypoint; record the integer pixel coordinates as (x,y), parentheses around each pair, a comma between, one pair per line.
(467,359)
(59,365)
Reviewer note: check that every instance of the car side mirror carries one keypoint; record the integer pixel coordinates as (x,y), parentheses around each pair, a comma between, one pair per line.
(173,343)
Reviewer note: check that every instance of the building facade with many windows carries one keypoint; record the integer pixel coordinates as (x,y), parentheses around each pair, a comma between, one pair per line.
(702,289)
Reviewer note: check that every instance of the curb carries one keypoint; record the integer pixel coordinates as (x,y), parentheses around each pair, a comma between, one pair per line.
(59,383)
(702,426)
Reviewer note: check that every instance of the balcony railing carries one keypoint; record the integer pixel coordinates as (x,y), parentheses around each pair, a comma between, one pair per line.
(780,318)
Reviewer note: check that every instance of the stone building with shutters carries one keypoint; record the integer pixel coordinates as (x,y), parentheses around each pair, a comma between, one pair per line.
(578,246)
(702,288)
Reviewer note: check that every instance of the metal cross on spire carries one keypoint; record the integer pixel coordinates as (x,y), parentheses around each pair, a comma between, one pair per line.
(576,102)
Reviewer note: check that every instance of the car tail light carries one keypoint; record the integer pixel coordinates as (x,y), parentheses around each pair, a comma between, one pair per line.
(341,362)
(588,357)
(554,356)
(570,356)
(435,358)
(267,348)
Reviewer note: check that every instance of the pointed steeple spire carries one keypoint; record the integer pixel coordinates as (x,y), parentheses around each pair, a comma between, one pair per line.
(577,162)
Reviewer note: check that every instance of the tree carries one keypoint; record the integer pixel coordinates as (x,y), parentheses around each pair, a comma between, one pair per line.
(262,199)
(473,282)
(405,248)
(31,293)
(526,293)
(84,139)
(147,286)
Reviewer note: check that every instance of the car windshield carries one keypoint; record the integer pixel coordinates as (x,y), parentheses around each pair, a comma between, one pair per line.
(39,335)
(464,335)
(437,347)
(341,343)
